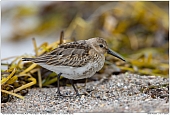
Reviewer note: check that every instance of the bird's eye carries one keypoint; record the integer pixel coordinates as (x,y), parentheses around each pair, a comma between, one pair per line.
(101,45)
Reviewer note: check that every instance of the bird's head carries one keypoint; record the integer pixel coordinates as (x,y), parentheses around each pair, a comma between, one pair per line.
(100,45)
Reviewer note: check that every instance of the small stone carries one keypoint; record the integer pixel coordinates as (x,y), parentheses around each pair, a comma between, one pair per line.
(4,105)
(49,110)
(126,107)
(82,97)
(77,100)
(118,84)
(125,87)
(105,97)
(102,105)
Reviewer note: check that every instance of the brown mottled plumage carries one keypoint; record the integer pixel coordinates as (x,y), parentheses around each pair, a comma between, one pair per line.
(76,60)
(75,54)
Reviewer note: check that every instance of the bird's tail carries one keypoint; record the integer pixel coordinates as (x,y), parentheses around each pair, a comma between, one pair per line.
(27,59)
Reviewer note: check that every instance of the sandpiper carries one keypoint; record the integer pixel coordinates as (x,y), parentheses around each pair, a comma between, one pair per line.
(76,60)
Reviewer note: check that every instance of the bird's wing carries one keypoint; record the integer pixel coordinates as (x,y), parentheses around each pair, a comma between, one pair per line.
(75,54)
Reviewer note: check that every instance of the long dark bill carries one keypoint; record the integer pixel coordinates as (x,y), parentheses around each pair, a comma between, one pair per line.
(115,54)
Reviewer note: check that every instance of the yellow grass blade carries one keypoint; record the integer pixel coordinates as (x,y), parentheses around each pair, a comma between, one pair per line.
(28,69)
(14,94)
(4,80)
(26,85)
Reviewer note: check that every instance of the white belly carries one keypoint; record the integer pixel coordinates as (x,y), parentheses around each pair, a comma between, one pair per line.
(76,72)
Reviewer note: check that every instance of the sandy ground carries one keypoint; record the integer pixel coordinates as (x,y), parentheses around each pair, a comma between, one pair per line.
(118,93)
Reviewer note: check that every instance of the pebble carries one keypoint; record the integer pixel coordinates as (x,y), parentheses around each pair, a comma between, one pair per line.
(82,97)
(120,93)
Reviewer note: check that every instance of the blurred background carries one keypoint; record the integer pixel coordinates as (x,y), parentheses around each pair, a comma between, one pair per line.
(137,30)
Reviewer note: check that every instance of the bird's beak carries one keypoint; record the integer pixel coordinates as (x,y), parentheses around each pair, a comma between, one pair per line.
(115,54)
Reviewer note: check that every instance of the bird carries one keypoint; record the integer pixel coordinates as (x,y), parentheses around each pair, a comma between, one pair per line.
(76,60)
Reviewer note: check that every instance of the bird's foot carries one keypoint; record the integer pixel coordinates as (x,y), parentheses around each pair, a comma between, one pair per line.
(58,93)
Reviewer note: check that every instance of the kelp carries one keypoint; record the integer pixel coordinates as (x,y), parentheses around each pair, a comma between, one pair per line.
(25,72)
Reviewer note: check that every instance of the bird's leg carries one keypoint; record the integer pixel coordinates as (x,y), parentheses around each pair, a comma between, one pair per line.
(71,81)
(85,83)
(58,84)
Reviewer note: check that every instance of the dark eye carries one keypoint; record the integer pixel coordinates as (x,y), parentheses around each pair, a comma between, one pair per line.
(101,45)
